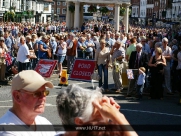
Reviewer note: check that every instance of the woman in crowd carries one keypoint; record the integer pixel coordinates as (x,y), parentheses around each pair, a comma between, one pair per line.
(61,53)
(3,51)
(132,47)
(102,58)
(156,63)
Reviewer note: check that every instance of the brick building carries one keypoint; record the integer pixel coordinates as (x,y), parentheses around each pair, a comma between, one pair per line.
(59,10)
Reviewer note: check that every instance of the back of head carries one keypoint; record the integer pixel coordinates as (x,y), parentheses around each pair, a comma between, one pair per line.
(74,102)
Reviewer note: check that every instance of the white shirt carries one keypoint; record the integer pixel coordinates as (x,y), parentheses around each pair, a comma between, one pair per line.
(22,54)
(10,123)
(61,51)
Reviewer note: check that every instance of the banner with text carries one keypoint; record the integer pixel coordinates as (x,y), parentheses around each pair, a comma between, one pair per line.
(82,70)
(45,67)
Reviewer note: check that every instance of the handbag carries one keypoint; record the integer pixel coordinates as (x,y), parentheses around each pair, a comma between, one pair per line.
(95,75)
(32,54)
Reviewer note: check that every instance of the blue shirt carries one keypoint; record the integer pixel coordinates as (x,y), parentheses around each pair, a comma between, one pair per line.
(8,43)
(141,79)
(89,49)
(42,54)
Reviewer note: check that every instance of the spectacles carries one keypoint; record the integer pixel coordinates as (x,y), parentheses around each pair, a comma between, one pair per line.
(37,94)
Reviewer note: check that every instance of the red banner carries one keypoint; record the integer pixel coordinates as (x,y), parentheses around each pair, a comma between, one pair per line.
(82,70)
(45,67)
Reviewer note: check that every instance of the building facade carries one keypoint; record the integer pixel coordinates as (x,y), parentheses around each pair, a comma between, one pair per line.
(26,10)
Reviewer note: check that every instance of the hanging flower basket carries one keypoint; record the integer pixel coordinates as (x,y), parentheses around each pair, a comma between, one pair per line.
(103,10)
(122,11)
(72,8)
(92,9)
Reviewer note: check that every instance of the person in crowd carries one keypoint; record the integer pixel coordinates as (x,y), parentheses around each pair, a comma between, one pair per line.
(61,53)
(81,47)
(167,53)
(109,42)
(156,64)
(132,47)
(29,96)
(140,83)
(8,41)
(118,55)
(78,106)
(137,59)
(102,58)
(23,55)
(146,47)
(53,45)
(3,51)
(71,52)
(43,48)
(90,47)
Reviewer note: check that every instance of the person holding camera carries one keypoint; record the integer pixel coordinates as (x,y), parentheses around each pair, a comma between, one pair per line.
(118,54)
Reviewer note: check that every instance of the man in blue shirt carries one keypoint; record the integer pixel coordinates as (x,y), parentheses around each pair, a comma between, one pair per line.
(8,42)
(90,47)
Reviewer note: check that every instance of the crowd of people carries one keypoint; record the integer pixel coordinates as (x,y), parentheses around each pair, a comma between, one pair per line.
(153,54)
(140,47)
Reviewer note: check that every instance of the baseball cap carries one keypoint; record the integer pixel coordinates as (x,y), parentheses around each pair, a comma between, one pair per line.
(29,80)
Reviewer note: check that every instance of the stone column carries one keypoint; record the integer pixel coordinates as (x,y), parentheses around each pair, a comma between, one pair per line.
(68,16)
(76,15)
(116,17)
(71,20)
(81,15)
(126,18)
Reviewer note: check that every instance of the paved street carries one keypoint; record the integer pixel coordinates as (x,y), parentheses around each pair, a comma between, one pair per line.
(145,112)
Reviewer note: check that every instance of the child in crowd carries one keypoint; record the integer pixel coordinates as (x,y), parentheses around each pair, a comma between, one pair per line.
(140,82)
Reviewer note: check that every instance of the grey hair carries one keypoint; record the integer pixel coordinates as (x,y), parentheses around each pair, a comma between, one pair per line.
(139,45)
(164,39)
(74,102)
(158,44)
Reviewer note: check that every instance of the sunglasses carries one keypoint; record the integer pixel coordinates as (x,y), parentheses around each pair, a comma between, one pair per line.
(37,94)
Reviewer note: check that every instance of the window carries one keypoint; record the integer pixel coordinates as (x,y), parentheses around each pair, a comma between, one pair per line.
(53,11)
(58,10)
(58,3)
(83,9)
(63,11)
(64,3)
(53,3)
(3,4)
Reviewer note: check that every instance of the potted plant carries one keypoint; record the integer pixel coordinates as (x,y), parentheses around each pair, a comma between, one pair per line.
(92,9)
(104,10)
(71,8)
(122,11)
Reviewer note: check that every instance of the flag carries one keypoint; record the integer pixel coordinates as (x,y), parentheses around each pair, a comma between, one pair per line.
(8,59)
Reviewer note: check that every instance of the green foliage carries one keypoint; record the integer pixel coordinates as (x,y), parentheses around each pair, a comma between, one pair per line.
(103,9)
(122,11)
(92,9)
(72,8)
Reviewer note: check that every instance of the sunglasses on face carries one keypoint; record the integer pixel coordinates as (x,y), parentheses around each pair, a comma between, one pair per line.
(37,94)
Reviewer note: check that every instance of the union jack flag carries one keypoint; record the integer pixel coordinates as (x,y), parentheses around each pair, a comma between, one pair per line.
(8,59)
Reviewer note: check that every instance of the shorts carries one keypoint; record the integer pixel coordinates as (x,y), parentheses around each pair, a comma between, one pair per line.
(61,59)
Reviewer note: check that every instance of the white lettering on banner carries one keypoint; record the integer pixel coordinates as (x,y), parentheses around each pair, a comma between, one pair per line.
(82,65)
(82,73)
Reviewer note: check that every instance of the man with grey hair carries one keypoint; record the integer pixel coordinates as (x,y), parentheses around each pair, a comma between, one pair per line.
(118,55)
(23,55)
(167,53)
(71,52)
(90,47)
(137,59)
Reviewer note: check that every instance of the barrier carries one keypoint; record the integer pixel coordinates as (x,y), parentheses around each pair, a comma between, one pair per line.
(64,78)
(125,81)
